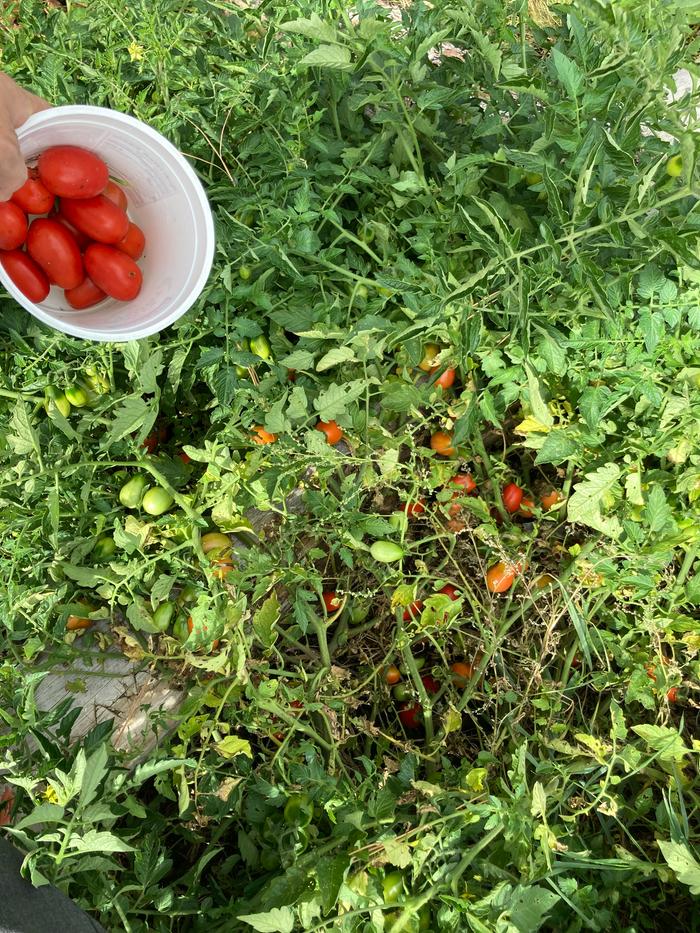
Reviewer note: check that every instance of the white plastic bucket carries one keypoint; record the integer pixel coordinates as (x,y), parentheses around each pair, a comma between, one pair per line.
(166,199)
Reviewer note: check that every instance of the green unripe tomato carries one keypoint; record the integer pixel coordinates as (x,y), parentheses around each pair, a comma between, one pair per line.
(56,401)
(392,887)
(98,382)
(419,662)
(180,630)
(359,612)
(241,372)
(361,293)
(298,810)
(402,692)
(260,346)
(77,395)
(188,594)
(163,616)
(104,548)
(245,273)
(131,493)
(156,501)
(674,166)
(532,178)
(386,552)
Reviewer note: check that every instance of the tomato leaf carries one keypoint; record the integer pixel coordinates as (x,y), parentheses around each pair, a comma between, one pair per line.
(683,863)
(277,920)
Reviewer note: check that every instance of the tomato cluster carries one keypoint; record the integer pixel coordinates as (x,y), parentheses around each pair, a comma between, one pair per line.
(68,226)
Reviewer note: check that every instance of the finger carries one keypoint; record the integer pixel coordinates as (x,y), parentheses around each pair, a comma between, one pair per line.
(13,171)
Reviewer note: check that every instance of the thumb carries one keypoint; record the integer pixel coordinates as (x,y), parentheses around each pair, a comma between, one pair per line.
(13,171)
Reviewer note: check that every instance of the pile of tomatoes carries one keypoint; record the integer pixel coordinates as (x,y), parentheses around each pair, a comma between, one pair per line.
(68,226)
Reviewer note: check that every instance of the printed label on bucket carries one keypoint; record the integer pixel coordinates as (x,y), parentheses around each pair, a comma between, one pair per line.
(147,181)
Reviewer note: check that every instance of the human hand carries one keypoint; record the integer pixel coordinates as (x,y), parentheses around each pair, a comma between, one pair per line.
(16,105)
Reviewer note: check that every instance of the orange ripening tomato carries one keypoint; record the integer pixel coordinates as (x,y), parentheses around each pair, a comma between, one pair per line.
(500,577)
(526,507)
(417,507)
(550,499)
(441,443)
(446,379)
(78,623)
(392,675)
(330,601)
(461,673)
(332,431)
(222,567)
(261,436)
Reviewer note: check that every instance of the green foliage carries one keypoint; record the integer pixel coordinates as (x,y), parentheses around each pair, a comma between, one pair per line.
(375,191)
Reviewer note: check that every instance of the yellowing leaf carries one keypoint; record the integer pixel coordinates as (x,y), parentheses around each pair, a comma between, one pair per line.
(232,746)
(531,425)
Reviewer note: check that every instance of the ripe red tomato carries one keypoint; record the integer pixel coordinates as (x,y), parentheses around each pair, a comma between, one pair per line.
(550,499)
(113,271)
(332,431)
(185,457)
(672,695)
(13,225)
(331,601)
(500,577)
(417,507)
(465,482)
(512,497)
(446,379)
(134,243)
(526,508)
(451,591)
(261,436)
(392,675)
(409,714)
(101,219)
(116,194)
(72,172)
(441,443)
(27,275)
(34,197)
(431,685)
(413,611)
(84,295)
(53,246)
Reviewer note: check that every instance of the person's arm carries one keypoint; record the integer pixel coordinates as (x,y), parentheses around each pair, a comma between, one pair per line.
(16,105)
